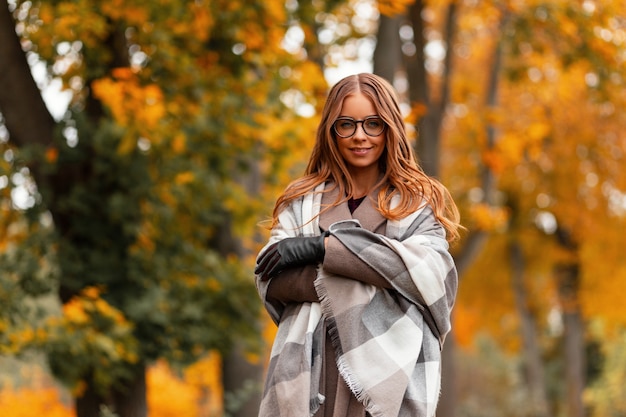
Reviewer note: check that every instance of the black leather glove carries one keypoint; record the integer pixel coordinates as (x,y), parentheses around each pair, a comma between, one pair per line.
(290,252)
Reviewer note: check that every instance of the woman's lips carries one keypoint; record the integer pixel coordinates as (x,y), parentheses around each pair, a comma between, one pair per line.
(360,151)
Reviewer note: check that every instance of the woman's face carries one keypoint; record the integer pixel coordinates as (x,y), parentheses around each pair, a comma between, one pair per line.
(360,150)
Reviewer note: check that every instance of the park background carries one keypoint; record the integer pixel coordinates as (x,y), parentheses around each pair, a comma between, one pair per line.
(142,142)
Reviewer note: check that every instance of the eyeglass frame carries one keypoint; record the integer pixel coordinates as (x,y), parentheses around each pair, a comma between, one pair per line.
(356,126)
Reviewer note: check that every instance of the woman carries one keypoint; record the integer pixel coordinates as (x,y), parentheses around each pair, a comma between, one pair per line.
(357,273)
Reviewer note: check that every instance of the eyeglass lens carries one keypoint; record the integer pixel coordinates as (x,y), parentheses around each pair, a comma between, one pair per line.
(372,126)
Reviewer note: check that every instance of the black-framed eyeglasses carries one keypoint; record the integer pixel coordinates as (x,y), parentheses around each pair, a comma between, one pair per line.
(345,127)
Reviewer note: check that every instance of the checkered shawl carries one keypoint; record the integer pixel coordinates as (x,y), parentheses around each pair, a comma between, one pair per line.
(387,343)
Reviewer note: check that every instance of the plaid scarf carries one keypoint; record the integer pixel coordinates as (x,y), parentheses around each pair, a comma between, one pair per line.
(387,343)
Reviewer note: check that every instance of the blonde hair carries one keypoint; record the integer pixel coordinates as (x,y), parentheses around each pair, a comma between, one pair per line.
(401,173)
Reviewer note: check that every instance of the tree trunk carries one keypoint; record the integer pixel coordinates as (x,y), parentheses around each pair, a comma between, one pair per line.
(88,403)
(568,277)
(29,123)
(388,53)
(130,399)
(428,152)
(428,126)
(532,353)
(242,380)
(26,116)
(243,384)
(419,89)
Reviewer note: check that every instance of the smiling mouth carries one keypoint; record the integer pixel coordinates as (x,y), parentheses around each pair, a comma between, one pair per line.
(360,150)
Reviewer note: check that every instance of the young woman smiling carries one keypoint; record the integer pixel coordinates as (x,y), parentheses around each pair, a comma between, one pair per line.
(357,273)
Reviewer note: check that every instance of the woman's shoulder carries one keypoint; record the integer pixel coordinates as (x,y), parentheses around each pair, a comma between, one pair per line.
(304,196)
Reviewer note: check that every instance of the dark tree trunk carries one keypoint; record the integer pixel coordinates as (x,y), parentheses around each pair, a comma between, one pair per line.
(532,352)
(388,52)
(429,126)
(26,116)
(129,400)
(242,380)
(19,95)
(88,403)
(568,277)
(243,384)
(428,153)
(30,123)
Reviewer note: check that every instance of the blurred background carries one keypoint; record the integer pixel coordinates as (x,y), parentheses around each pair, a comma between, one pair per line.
(143,143)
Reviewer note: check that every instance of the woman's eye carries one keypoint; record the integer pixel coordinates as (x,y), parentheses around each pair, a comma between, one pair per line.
(374,123)
(346,124)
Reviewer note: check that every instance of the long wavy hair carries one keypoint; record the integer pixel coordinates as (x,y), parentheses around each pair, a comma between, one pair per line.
(400,172)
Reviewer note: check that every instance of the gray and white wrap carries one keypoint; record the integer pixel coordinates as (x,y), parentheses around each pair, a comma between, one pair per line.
(387,342)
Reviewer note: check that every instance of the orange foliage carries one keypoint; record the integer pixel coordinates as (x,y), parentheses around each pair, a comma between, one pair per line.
(73,17)
(181,399)
(393,7)
(466,322)
(120,9)
(603,283)
(29,402)
(488,218)
(206,376)
(197,392)
(93,335)
(126,98)
(493,161)
(184,178)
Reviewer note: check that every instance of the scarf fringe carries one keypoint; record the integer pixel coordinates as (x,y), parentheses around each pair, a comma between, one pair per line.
(315,403)
(344,369)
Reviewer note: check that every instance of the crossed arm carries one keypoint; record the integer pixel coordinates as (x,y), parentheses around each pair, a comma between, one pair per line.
(295,284)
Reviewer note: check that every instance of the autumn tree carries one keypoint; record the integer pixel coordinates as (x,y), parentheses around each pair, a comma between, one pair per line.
(132,206)
(405,33)
(490,83)
(551,147)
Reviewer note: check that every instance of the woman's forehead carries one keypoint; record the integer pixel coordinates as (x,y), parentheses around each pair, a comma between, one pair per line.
(358,102)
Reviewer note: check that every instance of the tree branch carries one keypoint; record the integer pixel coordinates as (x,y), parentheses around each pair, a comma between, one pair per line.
(450,35)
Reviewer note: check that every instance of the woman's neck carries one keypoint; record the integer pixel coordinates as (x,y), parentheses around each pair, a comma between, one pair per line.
(363,182)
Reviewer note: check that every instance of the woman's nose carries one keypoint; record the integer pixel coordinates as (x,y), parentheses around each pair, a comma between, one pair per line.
(359,133)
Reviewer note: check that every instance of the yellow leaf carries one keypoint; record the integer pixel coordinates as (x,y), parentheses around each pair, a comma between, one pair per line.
(179,143)
(538,131)
(184,178)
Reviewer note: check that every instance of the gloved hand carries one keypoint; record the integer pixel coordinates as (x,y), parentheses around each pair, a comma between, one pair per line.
(290,252)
